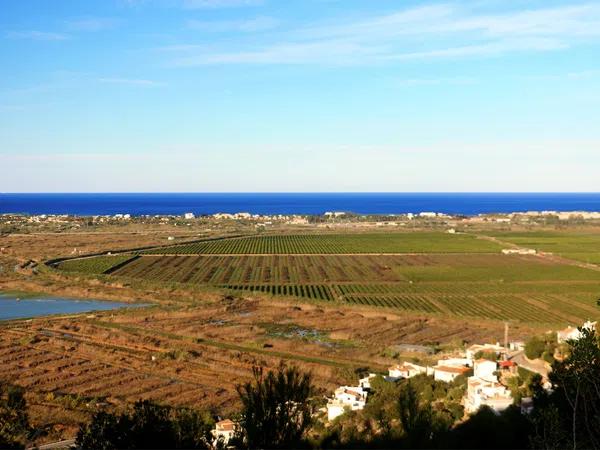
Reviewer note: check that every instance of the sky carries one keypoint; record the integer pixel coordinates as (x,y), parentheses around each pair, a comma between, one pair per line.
(299,96)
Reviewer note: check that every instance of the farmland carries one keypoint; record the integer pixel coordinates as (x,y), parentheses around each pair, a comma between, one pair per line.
(424,273)
(330,303)
(195,354)
(579,245)
(96,265)
(415,242)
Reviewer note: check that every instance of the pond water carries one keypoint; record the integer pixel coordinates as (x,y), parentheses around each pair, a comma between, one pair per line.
(15,307)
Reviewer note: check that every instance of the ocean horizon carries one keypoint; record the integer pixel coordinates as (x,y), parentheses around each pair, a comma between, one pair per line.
(137,204)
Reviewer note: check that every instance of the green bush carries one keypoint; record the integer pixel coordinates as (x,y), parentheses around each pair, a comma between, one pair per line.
(534,347)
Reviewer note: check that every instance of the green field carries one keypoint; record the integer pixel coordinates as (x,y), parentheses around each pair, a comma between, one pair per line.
(581,246)
(96,265)
(432,273)
(416,242)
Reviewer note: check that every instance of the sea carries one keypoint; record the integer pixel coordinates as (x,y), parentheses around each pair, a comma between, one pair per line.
(138,204)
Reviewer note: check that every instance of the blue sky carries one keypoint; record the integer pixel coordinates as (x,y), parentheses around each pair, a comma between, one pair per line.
(299,95)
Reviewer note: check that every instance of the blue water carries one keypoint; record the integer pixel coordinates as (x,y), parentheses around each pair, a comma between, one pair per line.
(286,203)
(11,308)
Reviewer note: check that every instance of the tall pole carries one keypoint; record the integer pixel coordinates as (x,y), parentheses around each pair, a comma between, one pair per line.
(505,341)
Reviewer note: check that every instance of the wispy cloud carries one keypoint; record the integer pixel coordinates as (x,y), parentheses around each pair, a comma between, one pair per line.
(37,35)
(428,32)
(217,4)
(132,82)
(255,24)
(92,24)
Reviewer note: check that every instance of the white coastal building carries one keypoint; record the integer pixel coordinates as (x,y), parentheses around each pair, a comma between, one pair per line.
(224,431)
(485,348)
(407,370)
(485,369)
(486,393)
(365,382)
(449,373)
(346,398)
(571,333)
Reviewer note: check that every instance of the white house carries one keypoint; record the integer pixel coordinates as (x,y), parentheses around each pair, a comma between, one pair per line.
(346,398)
(365,382)
(455,362)
(224,431)
(486,348)
(335,408)
(189,216)
(351,395)
(484,369)
(448,373)
(407,370)
(489,393)
(571,333)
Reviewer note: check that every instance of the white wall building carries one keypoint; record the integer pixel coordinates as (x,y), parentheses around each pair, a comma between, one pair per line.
(484,369)
(346,398)
(489,393)
(365,382)
(486,348)
(224,431)
(571,333)
(189,216)
(448,373)
(407,370)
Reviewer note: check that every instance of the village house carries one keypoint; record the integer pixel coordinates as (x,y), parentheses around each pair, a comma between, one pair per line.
(224,431)
(571,333)
(484,348)
(485,369)
(449,373)
(406,370)
(365,382)
(189,216)
(486,393)
(346,398)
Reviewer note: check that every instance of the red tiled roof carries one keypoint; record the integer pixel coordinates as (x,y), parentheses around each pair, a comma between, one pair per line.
(225,425)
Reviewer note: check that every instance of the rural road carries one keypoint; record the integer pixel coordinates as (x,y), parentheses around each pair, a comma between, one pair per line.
(537,366)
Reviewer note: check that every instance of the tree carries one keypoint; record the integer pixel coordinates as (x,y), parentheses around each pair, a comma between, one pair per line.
(416,420)
(487,429)
(382,407)
(14,422)
(147,426)
(534,347)
(275,409)
(576,382)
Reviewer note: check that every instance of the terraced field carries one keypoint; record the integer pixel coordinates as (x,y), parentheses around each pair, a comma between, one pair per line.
(462,278)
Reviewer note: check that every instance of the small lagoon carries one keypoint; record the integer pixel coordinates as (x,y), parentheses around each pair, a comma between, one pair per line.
(14,307)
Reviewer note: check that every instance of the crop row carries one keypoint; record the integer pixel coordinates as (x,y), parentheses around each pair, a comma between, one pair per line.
(315,292)
(416,242)
(95,265)
(273,269)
